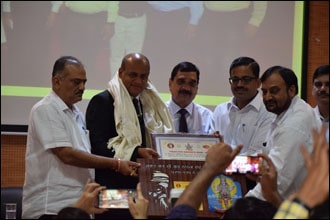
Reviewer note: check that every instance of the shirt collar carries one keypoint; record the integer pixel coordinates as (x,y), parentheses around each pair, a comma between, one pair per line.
(256,102)
(176,108)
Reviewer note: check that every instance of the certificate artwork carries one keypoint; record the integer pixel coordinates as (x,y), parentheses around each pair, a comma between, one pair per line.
(222,192)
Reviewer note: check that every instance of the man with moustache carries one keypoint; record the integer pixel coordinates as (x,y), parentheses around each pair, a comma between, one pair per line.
(183,85)
(320,93)
(58,159)
(291,129)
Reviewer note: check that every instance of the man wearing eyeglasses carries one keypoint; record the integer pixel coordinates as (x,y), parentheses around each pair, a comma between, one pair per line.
(320,93)
(244,118)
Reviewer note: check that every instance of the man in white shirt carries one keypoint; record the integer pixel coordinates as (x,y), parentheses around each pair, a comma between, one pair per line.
(58,158)
(292,128)
(183,85)
(244,119)
(320,93)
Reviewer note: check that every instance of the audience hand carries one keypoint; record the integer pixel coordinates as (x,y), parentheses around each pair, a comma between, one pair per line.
(89,199)
(219,157)
(138,206)
(315,188)
(268,180)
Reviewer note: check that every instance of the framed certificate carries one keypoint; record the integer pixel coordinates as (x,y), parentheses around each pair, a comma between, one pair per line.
(180,146)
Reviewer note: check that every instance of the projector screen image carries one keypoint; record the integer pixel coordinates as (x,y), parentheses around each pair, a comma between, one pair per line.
(209,34)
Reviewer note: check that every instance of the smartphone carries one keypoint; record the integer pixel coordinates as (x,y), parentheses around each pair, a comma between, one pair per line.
(115,198)
(244,164)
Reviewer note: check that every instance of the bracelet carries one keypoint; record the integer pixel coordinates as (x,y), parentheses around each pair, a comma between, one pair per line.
(118,164)
(300,202)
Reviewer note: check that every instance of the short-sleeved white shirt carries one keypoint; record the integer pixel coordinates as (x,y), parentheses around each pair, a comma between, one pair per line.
(49,183)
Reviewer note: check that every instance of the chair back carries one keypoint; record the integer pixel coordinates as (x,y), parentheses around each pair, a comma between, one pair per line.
(11,195)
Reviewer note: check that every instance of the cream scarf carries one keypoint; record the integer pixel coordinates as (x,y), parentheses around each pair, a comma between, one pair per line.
(155,112)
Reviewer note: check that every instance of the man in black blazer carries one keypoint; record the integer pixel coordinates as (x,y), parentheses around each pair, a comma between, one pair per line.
(114,125)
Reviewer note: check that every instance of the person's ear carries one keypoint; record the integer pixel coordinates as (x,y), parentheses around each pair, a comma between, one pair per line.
(56,81)
(170,83)
(292,91)
(120,72)
(259,82)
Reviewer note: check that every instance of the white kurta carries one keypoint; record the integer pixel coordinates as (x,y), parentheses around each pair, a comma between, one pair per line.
(290,130)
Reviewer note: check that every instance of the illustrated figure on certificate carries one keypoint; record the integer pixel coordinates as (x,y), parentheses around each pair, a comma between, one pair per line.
(224,189)
(222,192)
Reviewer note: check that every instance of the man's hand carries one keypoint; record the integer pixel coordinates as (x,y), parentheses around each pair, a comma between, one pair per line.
(148,153)
(128,167)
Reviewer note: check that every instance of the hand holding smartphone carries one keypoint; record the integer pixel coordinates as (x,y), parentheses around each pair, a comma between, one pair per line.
(244,164)
(115,198)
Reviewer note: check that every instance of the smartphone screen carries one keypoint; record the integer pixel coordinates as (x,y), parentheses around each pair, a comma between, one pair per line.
(244,164)
(115,198)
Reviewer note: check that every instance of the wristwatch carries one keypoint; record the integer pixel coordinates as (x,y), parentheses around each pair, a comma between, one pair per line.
(300,202)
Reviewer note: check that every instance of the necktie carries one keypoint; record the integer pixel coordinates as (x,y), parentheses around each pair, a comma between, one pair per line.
(183,123)
(141,121)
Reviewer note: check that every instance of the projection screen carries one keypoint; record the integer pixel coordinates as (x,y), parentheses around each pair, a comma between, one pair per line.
(209,34)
